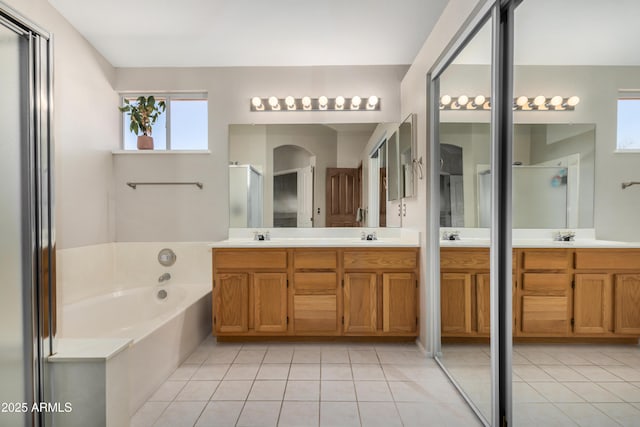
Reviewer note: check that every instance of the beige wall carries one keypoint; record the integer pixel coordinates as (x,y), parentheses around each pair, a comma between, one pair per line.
(150,214)
(86,129)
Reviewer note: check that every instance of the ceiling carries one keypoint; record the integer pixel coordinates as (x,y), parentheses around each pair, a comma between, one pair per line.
(193,33)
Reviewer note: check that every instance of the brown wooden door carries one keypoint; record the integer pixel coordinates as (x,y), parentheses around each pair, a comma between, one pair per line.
(455,303)
(592,304)
(399,302)
(270,302)
(360,302)
(627,294)
(231,303)
(342,197)
(382,197)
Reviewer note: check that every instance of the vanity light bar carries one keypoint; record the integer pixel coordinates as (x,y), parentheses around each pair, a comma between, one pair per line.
(520,103)
(321,103)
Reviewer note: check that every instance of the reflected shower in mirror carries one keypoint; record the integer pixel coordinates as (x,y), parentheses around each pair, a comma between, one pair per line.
(553,175)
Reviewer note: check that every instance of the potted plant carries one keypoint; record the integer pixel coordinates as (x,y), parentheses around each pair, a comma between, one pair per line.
(143,113)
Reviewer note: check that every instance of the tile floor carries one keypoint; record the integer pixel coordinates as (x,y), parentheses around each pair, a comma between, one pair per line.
(306,385)
(563,385)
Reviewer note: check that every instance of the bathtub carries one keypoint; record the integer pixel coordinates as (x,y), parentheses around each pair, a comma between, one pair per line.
(164,323)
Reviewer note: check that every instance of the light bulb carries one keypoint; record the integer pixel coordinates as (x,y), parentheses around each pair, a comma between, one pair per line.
(555,101)
(445,99)
(522,101)
(339,102)
(539,100)
(355,102)
(322,102)
(273,101)
(291,102)
(256,102)
(306,102)
(463,100)
(479,100)
(573,101)
(372,102)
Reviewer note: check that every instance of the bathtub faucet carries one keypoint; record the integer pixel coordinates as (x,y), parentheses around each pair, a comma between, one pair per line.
(164,277)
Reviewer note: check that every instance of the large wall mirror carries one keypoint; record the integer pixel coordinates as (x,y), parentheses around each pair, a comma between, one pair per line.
(318,175)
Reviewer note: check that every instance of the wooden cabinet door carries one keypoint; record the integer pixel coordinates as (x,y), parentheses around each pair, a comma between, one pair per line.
(360,300)
(270,304)
(455,303)
(545,304)
(399,302)
(592,304)
(627,310)
(483,303)
(231,303)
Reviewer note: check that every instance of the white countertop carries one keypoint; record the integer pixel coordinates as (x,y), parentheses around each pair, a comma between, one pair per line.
(319,237)
(533,238)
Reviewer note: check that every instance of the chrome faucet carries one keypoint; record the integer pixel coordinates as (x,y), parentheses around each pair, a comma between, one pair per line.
(164,277)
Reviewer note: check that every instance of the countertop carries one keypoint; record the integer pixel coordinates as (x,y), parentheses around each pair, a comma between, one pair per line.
(541,243)
(304,242)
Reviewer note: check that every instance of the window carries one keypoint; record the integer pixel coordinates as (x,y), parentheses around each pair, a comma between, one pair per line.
(183,126)
(629,123)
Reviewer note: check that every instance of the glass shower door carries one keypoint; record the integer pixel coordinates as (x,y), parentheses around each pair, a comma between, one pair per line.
(15,316)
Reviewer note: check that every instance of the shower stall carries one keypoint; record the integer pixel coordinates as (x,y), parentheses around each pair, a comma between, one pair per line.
(245,196)
(27,257)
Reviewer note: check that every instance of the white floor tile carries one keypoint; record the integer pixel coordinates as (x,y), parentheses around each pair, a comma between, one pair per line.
(268,390)
(524,393)
(306,356)
(278,356)
(338,391)
(148,413)
(596,373)
(373,391)
(242,372)
(334,356)
(302,390)
(197,391)
(259,414)
(406,391)
(421,414)
(586,415)
(210,372)
(305,371)
(224,357)
(336,371)
(250,356)
(362,372)
(343,414)
(220,414)
(556,392)
(625,391)
(197,357)
(183,372)
(564,373)
(625,372)
(299,414)
(180,414)
(379,414)
(531,373)
(232,390)
(167,391)
(539,414)
(592,392)
(363,356)
(276,371)
(624,413)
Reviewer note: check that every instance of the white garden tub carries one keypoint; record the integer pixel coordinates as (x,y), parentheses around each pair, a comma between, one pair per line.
(164,331)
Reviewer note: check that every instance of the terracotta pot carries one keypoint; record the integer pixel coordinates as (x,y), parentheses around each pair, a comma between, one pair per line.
(145,142)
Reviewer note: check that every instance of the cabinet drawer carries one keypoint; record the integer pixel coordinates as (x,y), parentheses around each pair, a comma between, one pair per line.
(315,283)
(315,313)
(464,260)
(315,260)
(250,259)
(546,283)
(619,259)
(545,315)
(380,259)
(546,260)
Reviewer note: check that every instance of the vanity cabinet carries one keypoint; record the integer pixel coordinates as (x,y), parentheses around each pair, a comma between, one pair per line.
(465,292)
(380,289)
(315,292)
(559,293)
(250,291)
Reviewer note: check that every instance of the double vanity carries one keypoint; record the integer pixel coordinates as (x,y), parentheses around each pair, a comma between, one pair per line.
(583,290)
(315,283)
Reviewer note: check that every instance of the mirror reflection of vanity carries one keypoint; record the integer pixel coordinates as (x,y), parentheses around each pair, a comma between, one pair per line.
(553,175)
(311,175)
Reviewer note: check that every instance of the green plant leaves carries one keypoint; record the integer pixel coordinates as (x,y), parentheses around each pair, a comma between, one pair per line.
(143,113)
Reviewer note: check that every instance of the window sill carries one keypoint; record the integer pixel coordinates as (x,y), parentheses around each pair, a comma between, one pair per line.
(626,151)
(159,152)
